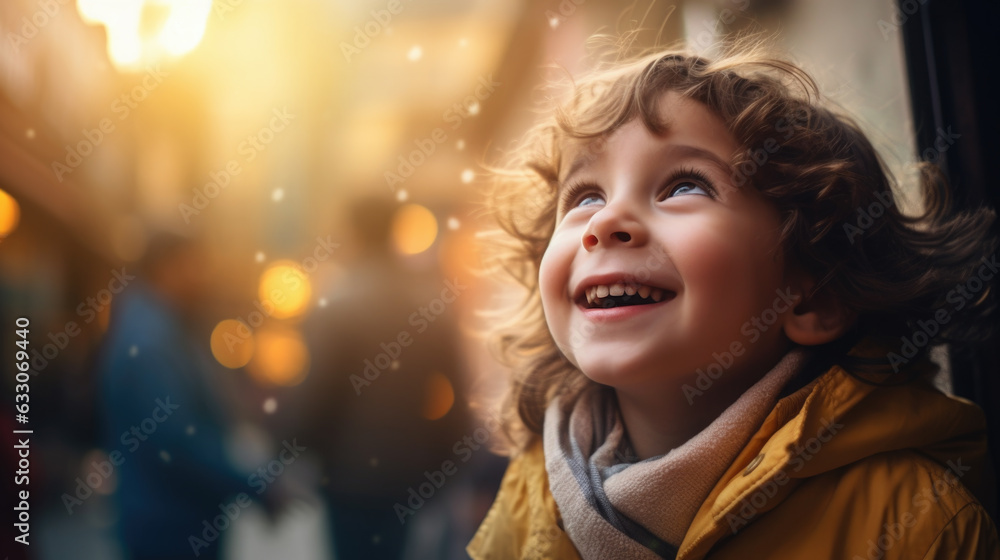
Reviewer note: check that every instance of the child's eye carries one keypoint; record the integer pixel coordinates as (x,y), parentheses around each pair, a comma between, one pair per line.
(578,195)
(688,181)
(688,188)
(588,200)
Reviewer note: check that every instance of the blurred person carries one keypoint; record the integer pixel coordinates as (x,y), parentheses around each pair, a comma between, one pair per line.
(379,355)
(163,412)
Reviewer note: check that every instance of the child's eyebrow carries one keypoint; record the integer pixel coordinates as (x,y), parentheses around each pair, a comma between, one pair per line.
(579,161)
(679,151)
(694,152)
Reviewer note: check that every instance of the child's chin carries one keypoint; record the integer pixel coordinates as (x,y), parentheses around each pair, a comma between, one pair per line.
(625,370)
(617,374)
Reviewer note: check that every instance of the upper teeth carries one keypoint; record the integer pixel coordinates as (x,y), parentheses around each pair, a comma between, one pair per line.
(620,289)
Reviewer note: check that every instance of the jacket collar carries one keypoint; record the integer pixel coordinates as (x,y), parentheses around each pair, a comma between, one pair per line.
(833,421)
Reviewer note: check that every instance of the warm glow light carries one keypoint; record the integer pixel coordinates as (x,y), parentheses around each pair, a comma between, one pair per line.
(285,286)
(232,343)
(374,132)
(121,18)
(127,47)
(414,229)
(10,214)
(125,50)
(459,255)
(281,358)
(440,397)
(185,25)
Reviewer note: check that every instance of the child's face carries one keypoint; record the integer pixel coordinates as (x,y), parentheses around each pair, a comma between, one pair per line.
(661,214)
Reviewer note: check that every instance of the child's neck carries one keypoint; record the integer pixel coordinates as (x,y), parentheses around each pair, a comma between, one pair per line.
(655,426)
(663,418)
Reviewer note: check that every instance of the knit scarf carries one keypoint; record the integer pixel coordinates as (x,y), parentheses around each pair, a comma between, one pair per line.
(613,507)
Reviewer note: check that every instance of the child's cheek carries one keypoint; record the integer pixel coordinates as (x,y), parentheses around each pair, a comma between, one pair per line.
(726,277)
(553,277)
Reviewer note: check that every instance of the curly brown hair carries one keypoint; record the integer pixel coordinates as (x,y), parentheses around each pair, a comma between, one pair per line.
(835,195)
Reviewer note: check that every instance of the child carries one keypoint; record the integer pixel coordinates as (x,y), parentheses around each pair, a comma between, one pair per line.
(723,353)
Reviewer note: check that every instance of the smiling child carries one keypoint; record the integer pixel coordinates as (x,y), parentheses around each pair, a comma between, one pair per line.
(717,358)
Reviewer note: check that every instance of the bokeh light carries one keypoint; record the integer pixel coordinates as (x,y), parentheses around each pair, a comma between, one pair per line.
(285,286)
(282,357)
(132,41)
(185,25)
(232,343)
(414,229)
(121,18)
(10,214)
(460,256)
(270,405)
(440,397)
(105,484)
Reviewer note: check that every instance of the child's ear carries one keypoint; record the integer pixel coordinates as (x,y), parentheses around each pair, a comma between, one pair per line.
(817,318)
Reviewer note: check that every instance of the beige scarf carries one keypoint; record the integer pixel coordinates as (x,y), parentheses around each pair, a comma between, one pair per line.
(613,508)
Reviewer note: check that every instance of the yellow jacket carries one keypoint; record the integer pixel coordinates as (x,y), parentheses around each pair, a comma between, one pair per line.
(840,469)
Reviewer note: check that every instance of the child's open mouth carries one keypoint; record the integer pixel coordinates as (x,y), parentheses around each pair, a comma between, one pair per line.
(623,295)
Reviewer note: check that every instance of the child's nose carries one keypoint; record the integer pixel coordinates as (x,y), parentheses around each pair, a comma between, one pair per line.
(610,227)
